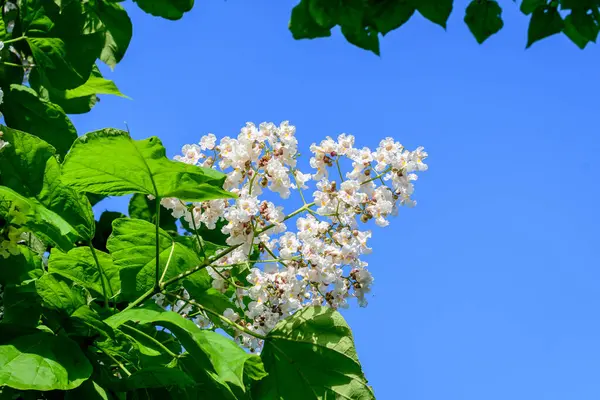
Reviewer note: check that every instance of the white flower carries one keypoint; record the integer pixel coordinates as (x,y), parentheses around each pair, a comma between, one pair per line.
(345,144)
(177,206)
(231,315)
(208,142)
(202,321)
(301,180)
(289,245)
(191,154)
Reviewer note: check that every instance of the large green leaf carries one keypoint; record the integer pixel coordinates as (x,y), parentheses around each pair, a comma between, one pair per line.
(529,6)
(22,306)
(63,41)
(60,294)
(311,355)
(581,27)
(388,15)
(110,162)
(169,9)
(31,214)
(133,248)
(24,110)
(89,390)
(484,18)
(220,357)
(94,85)
(42,361)
(23,163)
(30,167)
(74,207)
(80,266)
(437,11)
(157,377)
(66,63)
(24,266)
(80,99)
(118,30)
(544,22)
(303,24)
(34,18)
(84,321)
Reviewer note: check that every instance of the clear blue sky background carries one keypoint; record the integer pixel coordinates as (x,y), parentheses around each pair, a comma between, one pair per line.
(489,289)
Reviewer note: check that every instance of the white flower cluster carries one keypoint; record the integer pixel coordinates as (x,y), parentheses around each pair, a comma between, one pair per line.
(318,262)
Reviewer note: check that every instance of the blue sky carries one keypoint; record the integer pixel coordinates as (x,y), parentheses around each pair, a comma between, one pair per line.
(488,289)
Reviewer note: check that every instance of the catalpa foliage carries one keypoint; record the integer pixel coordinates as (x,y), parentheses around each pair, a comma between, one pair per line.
(208,288)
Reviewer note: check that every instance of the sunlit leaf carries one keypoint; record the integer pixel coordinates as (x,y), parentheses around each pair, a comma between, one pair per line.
(42,361)
(24,110)
(169,9)
(311,355)
(132,246)
(110,162)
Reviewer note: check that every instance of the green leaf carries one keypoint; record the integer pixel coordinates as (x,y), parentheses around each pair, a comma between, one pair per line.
(89,390)
(255,369)
(81,99)
(544,22)
(210,386)
(324,12)
(118,31)
(529,6)
(133,249)
(437,11)
(24,266)
(42,361)
(79,266)
(88,322)
(157,377)
(94,85)
(148,340)
(66,63)
(583,23)
(24,110)
(22,305)
(311,355)
(23,163)
(110,162)
(571,31)
(578,4)
(484,18)
(365,38)
(303,25)
(169,9)
(72,206)
(388,15)
(29,213)
(95,198)
(60,294)
(34,18)
(220,357)
(104,228)
(141,207)
(30,167)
